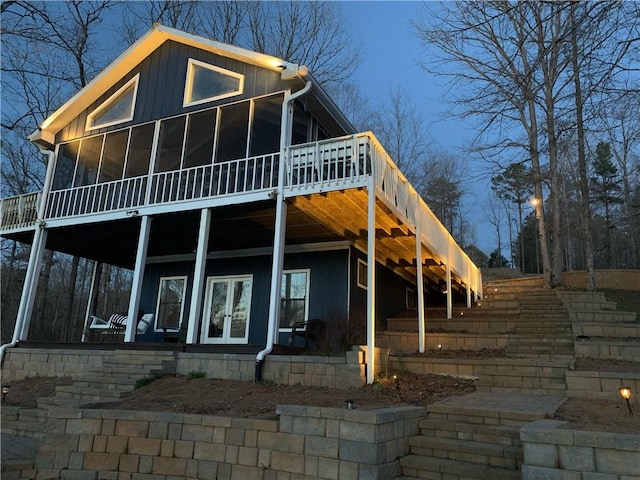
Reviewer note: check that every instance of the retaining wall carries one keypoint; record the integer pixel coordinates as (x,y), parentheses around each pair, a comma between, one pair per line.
(305,443)
(607,279)
(602,385)
(556,454)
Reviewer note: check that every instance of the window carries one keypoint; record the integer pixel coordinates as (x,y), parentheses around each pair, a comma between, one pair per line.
(65,165)
(362,274)
(88,161)
(265,128)
(294,295)
(234,127)
(118,108)
(206,83)
(170,144)
(410,298)
(115,151)
(170,302)
(140,151)
(200,134)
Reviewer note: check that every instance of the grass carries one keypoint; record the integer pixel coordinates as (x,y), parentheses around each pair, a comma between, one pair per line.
(143,382)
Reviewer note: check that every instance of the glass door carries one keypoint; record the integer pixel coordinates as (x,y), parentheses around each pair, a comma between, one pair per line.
(227,308)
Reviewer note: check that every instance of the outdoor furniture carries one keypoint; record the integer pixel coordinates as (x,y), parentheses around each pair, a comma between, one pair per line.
(314,330)
(117,324)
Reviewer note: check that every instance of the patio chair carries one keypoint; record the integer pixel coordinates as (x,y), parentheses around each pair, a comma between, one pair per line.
(314,330)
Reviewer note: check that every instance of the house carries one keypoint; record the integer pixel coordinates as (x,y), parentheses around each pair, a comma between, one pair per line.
(239,195)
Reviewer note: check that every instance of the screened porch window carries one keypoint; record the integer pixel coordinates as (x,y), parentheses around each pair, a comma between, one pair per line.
(206,83)
(65,165)
(118,108)
(294,297)
(170,306)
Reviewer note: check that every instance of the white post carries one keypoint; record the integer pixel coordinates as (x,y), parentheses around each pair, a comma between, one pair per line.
(276,268)
(468,282)
(23,319)
(420,279)
(138,276)
(371,282)
(449,292)
(199,275)
(92,294)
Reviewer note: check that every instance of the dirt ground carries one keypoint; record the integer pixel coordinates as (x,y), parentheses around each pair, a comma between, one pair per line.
(259,400)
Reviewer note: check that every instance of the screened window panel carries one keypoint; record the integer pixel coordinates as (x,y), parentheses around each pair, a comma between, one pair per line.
(300,130)
(139,151)
(170,144)
(65,165)
(115,151)
(232,135)
(265,130)
(200,135)
(293,298)
(88,161)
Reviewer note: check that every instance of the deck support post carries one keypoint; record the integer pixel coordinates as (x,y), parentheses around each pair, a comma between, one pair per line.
(93,293)
(420,279)
(371,281)
(138,276)
(449,292)
(27,299)
(199,275)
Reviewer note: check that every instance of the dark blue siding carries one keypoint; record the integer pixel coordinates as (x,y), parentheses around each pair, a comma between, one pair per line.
(162,82)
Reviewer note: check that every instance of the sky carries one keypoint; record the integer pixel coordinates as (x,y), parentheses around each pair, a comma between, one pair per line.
(391,52)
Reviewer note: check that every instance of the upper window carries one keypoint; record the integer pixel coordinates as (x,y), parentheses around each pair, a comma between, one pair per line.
(207,82)
(118,108)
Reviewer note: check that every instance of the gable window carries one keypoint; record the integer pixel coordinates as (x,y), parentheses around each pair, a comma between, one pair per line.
(206,83)
(170,302)
(362,274)
(294,296)
(118,108)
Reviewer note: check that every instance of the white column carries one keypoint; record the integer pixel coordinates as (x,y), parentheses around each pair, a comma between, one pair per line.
(449,292)
(30,286)
(93,290)
(420,280)
(276,268)
(468,282)
(371,281)
(199,276)
(138,276)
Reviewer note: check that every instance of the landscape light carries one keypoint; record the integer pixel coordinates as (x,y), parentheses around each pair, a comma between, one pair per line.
(351,404)
(625,392)
(397,380)
(5,390)
(439,346)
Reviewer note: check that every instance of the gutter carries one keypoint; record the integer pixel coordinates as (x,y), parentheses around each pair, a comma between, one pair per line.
(273,322)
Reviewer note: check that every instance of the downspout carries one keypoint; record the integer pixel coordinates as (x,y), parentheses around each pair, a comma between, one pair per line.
(284,142)
(21,317)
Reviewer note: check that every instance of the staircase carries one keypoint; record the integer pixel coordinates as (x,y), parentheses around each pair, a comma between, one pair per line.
(473,437)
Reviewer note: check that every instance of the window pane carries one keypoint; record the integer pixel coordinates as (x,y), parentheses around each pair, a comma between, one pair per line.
(65,165)
(202,127)
(140,151)
(293,298)
(265,131)
(120,109)
(232,137)
(301,121)
(115,149)
(208,83)
(170,302)
(88,161)
(170,144)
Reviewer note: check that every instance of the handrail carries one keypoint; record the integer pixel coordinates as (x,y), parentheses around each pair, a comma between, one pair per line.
(20,211)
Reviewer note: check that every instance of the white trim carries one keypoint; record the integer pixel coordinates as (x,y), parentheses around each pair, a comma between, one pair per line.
(184,291)
(109,101)
(358,279)
(306,295)
(188,87)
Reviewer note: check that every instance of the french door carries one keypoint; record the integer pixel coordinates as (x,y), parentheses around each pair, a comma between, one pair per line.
(227,308)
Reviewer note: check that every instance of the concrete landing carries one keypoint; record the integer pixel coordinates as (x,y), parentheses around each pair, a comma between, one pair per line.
(512,406)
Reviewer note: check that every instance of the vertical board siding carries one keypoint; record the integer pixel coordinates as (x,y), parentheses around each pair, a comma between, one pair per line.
(162,82)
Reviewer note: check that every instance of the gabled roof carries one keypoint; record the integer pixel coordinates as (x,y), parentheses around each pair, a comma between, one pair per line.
(148,43)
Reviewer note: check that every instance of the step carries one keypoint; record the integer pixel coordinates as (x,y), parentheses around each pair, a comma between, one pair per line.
(89,394)
(445,469)
(607,329)
(482,453)
(58,402)
(498,434)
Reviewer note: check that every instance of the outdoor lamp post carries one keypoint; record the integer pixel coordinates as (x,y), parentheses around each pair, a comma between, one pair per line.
(625,392)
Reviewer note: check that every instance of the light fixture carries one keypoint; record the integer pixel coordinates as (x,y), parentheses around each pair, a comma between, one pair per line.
(5,390)
(535,201)
(439,346)
(397,380)
(625,392)
(462,314)
(351,404)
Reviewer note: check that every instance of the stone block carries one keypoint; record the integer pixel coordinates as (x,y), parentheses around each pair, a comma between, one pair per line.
(183,449)
(57,443)
(74,475)
(197,433)
(576,458)
(167,448)
(219,434)
(248,456)
(101,461)
(362,452)
(83,426)
(321,447)
(145,464)
(309,426)
(274,441)
(244,472)
(287,462)
(234,436)
(617,461)
(144,446)
(209,451)
(117,444)
(347,470)
(208,470)
(131,428)
(328,468)
(129,463)
(544,473)
(169,466)
(231,454)
(311,467)
(356,431)
(158,430)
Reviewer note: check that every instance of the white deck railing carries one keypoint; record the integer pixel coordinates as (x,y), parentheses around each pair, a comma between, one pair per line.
(337,163)
(20,211)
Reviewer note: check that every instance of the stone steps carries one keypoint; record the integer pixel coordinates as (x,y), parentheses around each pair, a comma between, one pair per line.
(499,434)
(418,466)
(483,453)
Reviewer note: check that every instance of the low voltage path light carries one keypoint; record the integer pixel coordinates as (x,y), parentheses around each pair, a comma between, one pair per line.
(625,392)
(351,404)
(5,390)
